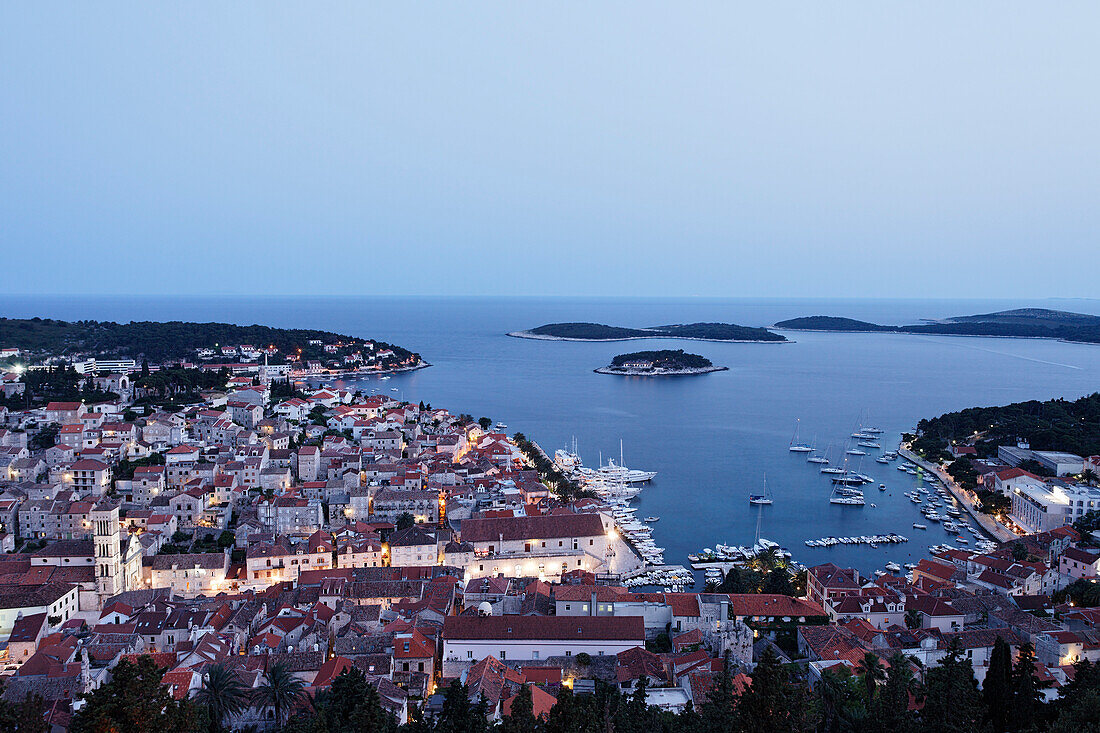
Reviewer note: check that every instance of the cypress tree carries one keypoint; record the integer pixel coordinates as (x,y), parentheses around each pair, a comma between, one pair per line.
(1027,707)
(997,688)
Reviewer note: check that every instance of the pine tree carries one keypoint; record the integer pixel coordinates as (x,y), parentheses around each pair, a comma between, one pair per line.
(718,712)
(889,712)
(521,718)
(952,701)
(774,703)
(352,704)
(135,701)
(997,687)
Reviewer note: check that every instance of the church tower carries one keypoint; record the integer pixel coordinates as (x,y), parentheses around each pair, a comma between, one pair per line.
(108,550)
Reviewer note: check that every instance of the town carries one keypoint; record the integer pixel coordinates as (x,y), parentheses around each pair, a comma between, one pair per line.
(266,543)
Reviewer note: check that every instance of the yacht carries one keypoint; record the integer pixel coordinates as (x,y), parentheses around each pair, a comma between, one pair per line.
(893,566)
(797,447)
(832,469)
(761,499)
(856,452)
(882,459)
(846,496)
(917,525)
(501,426)
(869,444)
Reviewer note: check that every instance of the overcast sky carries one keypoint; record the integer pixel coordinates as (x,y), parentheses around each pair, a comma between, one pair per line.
(816,149)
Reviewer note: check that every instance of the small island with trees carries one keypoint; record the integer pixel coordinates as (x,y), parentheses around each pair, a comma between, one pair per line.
(1018,323)
(664,363)
(693,331)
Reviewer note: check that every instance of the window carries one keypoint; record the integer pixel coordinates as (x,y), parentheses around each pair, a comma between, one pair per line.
(502,656)
(469,654)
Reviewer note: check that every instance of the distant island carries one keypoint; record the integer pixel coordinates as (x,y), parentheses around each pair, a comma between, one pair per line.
(664,363)
(1018,323)
(695,331)
(38,338)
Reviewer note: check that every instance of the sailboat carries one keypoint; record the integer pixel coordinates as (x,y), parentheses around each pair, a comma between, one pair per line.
(815,458)
(764,498)
(797,447)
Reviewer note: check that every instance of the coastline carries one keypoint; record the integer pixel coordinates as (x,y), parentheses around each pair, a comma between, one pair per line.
(353,373)
(659,372)
(541,337)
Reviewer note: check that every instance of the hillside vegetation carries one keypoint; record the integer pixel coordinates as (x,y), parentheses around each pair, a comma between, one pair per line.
(1062,425)
(157,341)
(665,359)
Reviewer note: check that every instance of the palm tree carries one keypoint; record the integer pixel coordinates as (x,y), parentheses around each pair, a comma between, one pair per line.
(1090,476)
(872,671)
(222,693)
(280,691)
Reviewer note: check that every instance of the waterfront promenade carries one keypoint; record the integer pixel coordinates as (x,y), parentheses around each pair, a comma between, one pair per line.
(987,522)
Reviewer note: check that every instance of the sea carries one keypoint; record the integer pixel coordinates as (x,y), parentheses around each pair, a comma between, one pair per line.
(713,438)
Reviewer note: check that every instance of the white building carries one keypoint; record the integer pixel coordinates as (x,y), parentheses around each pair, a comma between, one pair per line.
(1040,507)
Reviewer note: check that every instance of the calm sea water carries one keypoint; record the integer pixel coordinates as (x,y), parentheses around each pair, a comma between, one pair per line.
(712,438)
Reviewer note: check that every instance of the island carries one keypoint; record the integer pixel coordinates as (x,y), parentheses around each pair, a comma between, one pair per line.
(693,331)
(664,363)
(1017,323)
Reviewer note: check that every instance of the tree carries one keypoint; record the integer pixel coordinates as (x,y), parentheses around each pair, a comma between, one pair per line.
(997,687)
(223,695)
(1090,476)
(352,704)
(135,701)
(1027,694)
(913,619)
(484,422)
(1019,551)
(458,715)
(280,691)
(842,701)
(889,711)
(719,711)
(871,672)
(521,718)
(405,520)
(952,702)
(774,703)
(23,717)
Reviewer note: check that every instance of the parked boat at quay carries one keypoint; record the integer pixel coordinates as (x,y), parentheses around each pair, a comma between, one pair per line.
(879,539)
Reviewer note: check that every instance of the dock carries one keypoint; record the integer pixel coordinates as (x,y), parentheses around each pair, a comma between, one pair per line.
(654,569)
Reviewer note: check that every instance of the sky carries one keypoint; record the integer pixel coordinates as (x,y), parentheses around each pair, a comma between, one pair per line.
(932,149)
